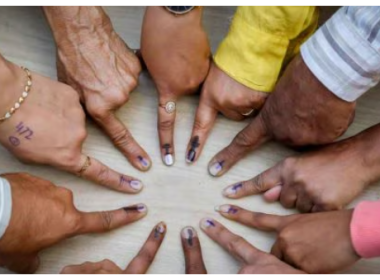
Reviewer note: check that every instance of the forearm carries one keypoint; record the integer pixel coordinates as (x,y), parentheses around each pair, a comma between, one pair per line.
(69,23)
(261,41)
(344,54)
(5,205)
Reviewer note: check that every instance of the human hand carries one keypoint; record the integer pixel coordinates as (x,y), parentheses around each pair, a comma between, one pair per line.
(44,214)
(177,54)
(300,111)
(193,252)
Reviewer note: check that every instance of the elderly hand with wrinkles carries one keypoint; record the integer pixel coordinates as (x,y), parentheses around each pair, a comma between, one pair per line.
(97,63)
(49,128)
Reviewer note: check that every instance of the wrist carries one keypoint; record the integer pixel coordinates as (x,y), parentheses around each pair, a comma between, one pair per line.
(367,144)
(76,25)
(12,80)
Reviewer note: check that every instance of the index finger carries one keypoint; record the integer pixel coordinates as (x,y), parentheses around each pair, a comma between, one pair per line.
(95,171)
(193,252)
(234,244)
(141,263)
(250,138)
(203,123)
(124,141)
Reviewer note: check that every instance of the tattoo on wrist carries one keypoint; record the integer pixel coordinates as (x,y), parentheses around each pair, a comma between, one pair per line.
(23,131)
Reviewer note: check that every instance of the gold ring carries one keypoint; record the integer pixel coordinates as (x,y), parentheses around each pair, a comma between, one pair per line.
(248,113)
(169,107)
(85,166)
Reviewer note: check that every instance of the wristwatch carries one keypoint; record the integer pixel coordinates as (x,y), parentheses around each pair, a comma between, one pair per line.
(179,10)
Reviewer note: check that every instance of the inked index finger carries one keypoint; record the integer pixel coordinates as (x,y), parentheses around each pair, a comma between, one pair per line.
(193,253)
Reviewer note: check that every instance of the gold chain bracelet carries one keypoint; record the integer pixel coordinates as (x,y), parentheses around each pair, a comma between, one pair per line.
(24,95)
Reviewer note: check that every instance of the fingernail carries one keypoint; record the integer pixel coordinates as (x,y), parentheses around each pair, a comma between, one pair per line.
(216,168)
(160,229)
(144,162)
(136,185)
(189,233)
(168,159)
(138,207)
(227,209)
(207,222)
(232,190)
(194,144)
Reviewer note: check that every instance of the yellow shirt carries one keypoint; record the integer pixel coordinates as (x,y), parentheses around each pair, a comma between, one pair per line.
(261,41)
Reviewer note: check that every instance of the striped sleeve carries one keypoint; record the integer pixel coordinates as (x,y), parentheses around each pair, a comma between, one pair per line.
(344,54)
(5,205)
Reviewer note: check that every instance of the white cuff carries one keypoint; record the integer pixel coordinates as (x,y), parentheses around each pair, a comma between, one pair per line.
(343,54)
(5,205)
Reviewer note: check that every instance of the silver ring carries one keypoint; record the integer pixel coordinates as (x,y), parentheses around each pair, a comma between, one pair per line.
(169,107)
(248,113)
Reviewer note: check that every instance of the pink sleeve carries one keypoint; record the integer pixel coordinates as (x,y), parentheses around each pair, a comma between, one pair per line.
(365,229)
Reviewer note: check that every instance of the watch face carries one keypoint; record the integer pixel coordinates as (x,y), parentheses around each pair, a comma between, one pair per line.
(178,10)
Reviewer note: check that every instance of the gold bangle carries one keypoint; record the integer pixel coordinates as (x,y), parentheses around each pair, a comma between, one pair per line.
(24,95)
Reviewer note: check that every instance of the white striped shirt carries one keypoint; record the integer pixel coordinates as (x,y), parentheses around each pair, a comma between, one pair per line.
(5,205)
(344,54)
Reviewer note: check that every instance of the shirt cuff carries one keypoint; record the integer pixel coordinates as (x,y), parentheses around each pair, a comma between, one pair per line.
(341,58)
(261,41)
(365,229)
(5,205)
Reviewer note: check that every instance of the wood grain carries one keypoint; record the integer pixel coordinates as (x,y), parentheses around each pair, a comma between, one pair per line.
(180,195)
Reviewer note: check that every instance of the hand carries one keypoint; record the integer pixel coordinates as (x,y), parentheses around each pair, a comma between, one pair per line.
(193,252)
(300,111)
(220,93)
(324,180)
(49,128)
(254,261)
(139,265)
(314,243)
(95,61)
(176,52)
(32,228)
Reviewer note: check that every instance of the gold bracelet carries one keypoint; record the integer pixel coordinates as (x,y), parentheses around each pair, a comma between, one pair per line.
(24,95)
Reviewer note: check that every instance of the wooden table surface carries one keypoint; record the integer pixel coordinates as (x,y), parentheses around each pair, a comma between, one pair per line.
(180,195)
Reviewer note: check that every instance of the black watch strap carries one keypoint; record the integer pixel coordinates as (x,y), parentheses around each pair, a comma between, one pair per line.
(179,10)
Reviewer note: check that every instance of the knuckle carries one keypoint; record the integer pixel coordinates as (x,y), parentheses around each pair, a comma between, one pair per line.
(106,218)
(234,244)
(103,175)
(243,140)
(166,125)
(257,183)
(122,138)
(199,125)
(289,163)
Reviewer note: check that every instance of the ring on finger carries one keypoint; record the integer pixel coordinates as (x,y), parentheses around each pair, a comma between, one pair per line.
(169,107)
(248,113)
(85,166)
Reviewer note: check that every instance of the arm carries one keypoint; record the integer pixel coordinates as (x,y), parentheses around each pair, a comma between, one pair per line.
(344,54)
(261,41)
(5,205)
(365,229)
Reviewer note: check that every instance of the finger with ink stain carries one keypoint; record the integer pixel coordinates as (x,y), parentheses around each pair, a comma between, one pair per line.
(193,252)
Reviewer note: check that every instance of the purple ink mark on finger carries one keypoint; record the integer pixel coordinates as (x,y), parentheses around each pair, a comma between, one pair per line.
(143,161)
(232,210)
(14,141)
(236,187)
(210,223)
(194,144)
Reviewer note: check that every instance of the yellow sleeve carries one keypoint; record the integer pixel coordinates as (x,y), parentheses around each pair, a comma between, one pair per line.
(261,41)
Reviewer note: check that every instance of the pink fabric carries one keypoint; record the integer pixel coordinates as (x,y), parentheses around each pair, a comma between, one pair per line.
(365,229)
